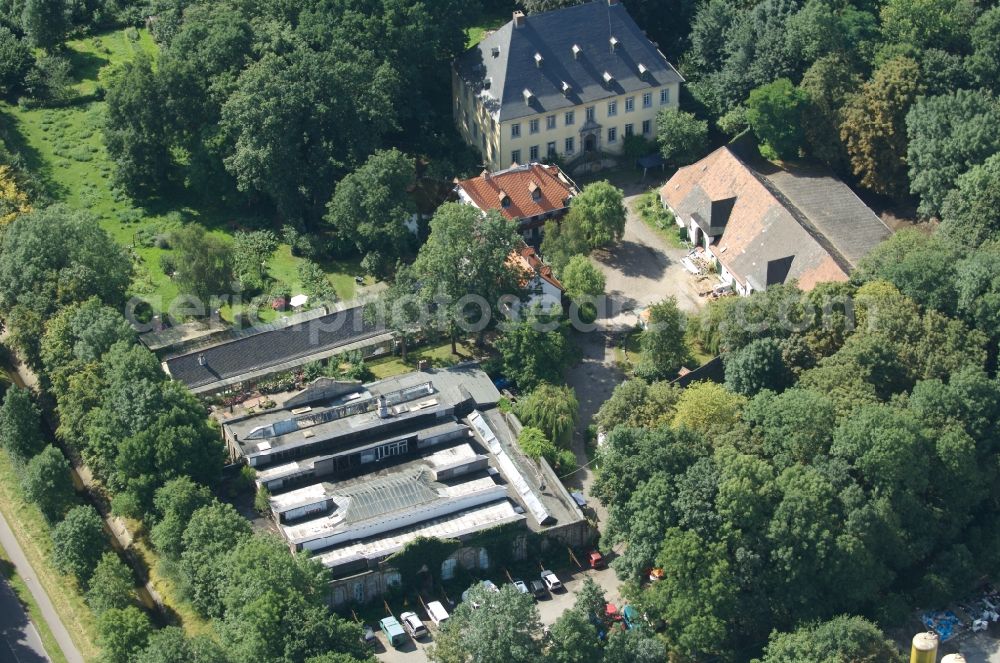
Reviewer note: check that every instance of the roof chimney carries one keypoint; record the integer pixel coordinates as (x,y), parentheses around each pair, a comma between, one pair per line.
(201,360)
(518,19)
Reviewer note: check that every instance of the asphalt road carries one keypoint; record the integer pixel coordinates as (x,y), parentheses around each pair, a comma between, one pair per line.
(19,640)
(11,639)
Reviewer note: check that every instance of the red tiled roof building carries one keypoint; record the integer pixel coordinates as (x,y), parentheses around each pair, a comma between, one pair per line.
(529,194)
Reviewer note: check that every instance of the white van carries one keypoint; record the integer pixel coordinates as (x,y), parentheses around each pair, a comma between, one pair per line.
(437,613)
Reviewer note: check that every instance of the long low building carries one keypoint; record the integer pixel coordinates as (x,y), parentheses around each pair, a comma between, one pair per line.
(254,354)
(764,224)
(356,471)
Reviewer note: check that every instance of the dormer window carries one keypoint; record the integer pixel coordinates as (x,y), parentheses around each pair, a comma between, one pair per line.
(487,82)
(608,78)
(614,42)
(495,51)
(642,69)
(534,190)
(576,51)
(504,199)
(566,87)
(538,59)
(528,94)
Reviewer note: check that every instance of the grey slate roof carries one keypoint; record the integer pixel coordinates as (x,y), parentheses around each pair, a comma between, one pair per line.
(837,213)
(270,348)
(552,35)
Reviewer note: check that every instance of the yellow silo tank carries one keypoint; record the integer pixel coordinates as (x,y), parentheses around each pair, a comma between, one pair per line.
(924,649)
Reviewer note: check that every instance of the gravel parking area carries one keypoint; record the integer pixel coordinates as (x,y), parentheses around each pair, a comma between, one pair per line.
(549,609)
(642,270)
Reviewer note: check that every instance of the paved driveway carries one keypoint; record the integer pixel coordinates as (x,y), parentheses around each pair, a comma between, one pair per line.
(19,640)
(642,270)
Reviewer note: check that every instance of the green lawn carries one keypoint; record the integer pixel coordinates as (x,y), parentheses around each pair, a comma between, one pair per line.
(658,219)
(487,21)
(66,148)
(439,356)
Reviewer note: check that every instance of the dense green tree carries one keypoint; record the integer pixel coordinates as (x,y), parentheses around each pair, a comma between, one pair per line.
(977,285)
(551,408)
(172,645)
(78,543)
(45,22)
(286,105)
(948,134)
(20,425)
(123,633)
(112,586)
(135,128)
(275,606)
(582,278)
(682,136)
(467,254)
(205,261)
(840,640)
(599,209)
(873,126)
(776,114)
(174,504)
(708,408)
(638,403)
(370,207)
(633,646)
(15,60)
(52,257)
(46,483)
(316,283)
(922,267)
(251,251)
(793,427)
(984,63)
(757,366)
(573,639)
(924,24)
(562,240)
(502,630)
(971,211)
(827,84)
(212,531)
(533,351)
(535,444)
(78,335)
(664,349)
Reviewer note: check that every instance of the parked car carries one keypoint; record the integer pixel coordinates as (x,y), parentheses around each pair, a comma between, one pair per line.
(630,616)
(368,635)
(596,560)
(520,586)
(538,588)
(413,625)
(551,581)
(437,613)
(394,633)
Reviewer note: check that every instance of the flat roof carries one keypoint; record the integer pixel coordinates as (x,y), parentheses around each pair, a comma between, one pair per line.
(258,434)
(452,526)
